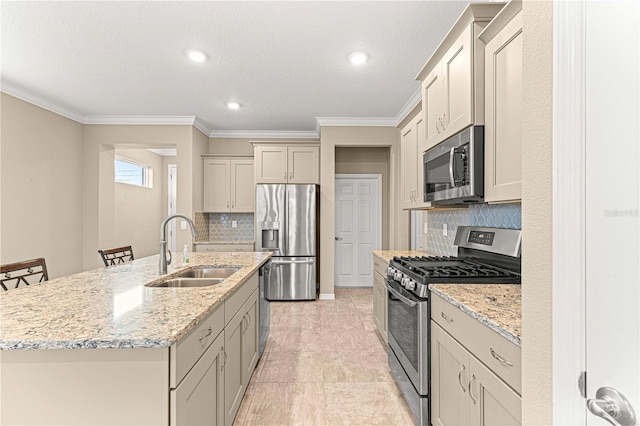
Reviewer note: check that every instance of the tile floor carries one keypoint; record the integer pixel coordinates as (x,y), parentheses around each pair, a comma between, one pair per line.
(324,364)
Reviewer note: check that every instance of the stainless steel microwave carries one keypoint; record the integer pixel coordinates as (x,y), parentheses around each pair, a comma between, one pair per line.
(454,169)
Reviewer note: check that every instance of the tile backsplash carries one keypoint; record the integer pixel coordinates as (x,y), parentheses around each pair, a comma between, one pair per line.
(497,216)
(220,227)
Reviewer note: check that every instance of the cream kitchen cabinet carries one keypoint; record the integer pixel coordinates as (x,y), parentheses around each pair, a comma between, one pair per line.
(411,175)
(475,372)
(241,348)
(228,185)
(380,296)
(453,77)
(224,247)
(503,105)
(298,163)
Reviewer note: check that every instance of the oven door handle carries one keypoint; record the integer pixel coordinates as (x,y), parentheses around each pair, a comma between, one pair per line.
(452,178)
(402,298)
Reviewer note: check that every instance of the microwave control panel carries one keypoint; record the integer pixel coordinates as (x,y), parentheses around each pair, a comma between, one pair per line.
(481,237)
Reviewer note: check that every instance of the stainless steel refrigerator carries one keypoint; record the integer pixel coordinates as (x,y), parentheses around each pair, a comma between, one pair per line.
(286,225)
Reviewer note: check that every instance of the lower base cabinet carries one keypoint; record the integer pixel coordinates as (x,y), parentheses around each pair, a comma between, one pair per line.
(380,296)
(464,391)
(199,399)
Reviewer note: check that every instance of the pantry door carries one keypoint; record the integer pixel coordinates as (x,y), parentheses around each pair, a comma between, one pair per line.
(358,228)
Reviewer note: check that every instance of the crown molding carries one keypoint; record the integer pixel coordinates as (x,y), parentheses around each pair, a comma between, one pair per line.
(261,134)
(166,120)
(355,121)
(415,99)
(198,124)
(40,101)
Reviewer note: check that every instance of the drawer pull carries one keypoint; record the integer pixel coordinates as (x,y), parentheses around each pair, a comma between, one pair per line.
(209,331)
(464,389)
(446,318)
(473,379)
(224,363)
(499,358)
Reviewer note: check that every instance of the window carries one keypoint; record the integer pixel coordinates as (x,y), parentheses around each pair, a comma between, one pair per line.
(133,173)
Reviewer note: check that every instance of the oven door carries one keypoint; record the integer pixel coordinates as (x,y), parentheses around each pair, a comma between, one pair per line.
(408,334)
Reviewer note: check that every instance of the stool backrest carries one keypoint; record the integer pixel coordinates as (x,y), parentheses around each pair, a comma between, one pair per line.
(25,273)
(117,255)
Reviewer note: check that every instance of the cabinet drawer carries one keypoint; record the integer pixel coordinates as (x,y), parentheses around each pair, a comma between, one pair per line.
(486,344)
(223,247)
(380,265)
(190,348)
(237,299)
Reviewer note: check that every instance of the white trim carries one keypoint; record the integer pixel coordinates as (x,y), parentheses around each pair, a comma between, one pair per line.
(569,350)
(378,178)
(327,296)
(157,120)
(356,121)
(413,101)
(253,134)
(40,101)
(198,124)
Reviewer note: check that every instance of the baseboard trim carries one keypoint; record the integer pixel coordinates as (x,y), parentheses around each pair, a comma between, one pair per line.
(327,296)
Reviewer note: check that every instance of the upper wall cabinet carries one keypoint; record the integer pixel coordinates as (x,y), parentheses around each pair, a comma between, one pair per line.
(228,185)
(278,163)
(453,78)
(503,105)
(411,172)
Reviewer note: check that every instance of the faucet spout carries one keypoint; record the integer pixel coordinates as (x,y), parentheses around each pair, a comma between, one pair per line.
(163,239)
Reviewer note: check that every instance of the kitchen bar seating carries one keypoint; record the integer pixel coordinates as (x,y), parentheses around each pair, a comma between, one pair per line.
(28,272)
(114,256)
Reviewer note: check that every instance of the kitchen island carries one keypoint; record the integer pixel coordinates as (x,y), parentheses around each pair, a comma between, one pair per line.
(100,347)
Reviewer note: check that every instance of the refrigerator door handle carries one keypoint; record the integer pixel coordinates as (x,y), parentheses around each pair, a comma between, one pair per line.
(285,240)
(294,262)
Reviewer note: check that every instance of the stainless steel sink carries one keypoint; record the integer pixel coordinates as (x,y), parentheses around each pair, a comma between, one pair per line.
(207,272)
(187,282)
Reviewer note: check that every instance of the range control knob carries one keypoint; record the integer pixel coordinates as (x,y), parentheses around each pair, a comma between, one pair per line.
(397,276)
(391,270)
(405,282)
(411,285)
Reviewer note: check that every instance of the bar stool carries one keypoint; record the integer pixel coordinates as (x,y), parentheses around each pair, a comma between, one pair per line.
(114,256)
(27,272)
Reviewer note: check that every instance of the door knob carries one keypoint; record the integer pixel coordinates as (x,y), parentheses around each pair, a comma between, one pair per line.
(338,238)
(612,406)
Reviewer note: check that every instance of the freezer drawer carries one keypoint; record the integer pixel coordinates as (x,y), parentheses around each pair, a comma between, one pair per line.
(292,278)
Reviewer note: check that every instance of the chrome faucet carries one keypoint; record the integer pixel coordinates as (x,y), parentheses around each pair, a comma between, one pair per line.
(163,240)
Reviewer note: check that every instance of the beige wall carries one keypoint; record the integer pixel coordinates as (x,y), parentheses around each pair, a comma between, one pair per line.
(373,161)
(537,213)
(200,144)
(137,209)
(99,144)
(229,146)
(332,137)
(41,187)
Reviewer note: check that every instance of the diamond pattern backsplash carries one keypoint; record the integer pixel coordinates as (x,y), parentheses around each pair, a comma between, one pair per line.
(220,227)
(496,216)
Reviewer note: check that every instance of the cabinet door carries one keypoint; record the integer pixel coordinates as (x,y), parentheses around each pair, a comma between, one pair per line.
(408,173)
(199,399)
(420,133)
(457,70)
(492,401)
(449,379)
(250,338)
(234,386)
(378,312)
(216,185)
(271,164)
(503,114)
(243,192)
(303,164)
(433,106)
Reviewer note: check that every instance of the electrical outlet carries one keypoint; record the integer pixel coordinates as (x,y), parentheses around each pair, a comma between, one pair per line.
(183,224)
(425,228)
(234,223)
(444,229)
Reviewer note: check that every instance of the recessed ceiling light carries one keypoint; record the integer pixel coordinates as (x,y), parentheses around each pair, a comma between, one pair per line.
(358,58)
(196,55)
(232,105)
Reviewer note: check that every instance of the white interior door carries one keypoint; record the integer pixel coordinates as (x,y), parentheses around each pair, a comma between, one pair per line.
(612,286)
(358,228)
(171,204)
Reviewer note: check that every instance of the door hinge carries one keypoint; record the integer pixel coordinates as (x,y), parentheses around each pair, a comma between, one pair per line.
(582,384)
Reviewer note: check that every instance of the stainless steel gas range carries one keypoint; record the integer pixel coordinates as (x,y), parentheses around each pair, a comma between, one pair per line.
(485,256)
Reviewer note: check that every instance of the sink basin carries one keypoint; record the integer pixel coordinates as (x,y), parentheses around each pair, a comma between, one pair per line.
(207,273)
(187,282)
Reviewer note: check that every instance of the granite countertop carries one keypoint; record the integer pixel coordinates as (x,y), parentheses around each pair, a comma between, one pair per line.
(387,255)
(498,306)
(111,307)
(225,242)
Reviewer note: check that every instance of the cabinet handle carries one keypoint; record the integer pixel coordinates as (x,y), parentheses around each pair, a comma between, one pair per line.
(437,128)
(227,204)
(444,117)
(285,175)
(291,175)
(209,331)
(233,204)
(499,358)
(224,362)
(473,378)
(447,319)
(464,389)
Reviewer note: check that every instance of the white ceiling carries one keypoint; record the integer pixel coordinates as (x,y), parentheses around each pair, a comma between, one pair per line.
(285,62)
